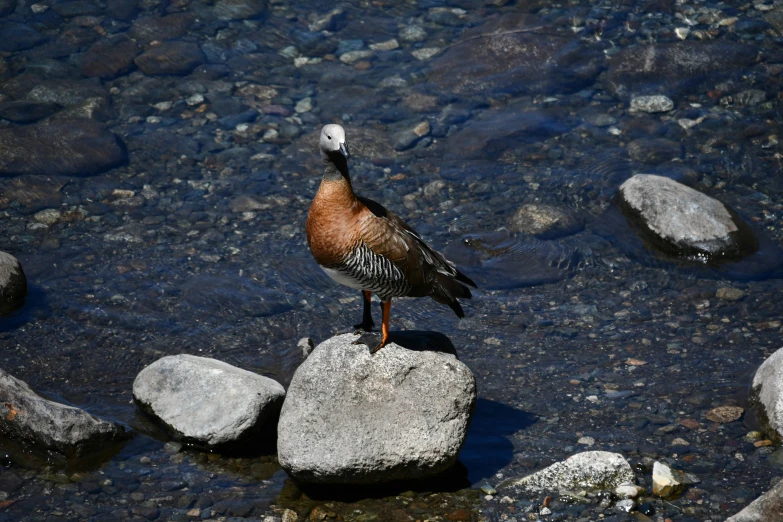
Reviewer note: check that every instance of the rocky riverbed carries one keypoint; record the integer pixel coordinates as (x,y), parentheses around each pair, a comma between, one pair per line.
(157,159)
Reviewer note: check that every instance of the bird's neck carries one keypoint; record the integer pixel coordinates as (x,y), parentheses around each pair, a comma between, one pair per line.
(336,183)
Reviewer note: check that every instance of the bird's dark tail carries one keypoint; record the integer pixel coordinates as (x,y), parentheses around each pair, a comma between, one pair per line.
(448,289)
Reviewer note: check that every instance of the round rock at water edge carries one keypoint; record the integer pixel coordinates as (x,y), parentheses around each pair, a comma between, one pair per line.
(766,395)
(209,403)
(26,417)
(13,284)
(591,470)
(679,220)
(355,418)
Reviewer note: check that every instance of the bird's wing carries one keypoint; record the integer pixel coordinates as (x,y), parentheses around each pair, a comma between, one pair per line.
(387,235)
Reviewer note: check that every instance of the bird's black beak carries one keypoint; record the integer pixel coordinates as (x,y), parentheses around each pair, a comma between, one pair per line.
(344,150)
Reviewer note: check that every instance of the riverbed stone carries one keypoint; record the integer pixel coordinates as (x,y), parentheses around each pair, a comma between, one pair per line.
(545,221)
(666,482)
(109,58)
(652,103)
(767,507)
(239,9)
(26,111)
(59,147)
(674,68)
(13,283)
(171,58)
(351,417)
(28,418)
(766,396)
(682,221)
(591,470)
(209,403)
(500,57)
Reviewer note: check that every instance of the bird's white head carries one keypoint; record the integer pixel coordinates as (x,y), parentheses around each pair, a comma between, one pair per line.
(333,140)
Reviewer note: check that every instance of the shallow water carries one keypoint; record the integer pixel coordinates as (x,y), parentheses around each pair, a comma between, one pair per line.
(192,239)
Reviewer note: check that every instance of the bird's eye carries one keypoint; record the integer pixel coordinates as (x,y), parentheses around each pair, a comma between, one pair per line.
(329,137)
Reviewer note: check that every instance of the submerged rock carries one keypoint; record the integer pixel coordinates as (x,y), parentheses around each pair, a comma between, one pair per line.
(28,418)
(355,418)
(591,470)
(766,395)
(209,403)
(59,147)
(666,482)
(682,221)
(767,507)
(501,57)
(171,58)
(13,284)
(673,68)
(545,221)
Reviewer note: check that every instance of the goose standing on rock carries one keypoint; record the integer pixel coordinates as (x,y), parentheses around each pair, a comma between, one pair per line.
(360,244)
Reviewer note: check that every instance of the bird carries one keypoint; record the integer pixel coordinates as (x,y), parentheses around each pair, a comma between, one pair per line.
(364,246)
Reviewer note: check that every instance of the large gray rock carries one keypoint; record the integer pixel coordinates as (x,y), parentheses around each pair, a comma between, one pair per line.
(26,417)
(766,395)
(682,221)
(59,147)
(209,403)
(13,284)
(767,508)
(591,470)
(355,418)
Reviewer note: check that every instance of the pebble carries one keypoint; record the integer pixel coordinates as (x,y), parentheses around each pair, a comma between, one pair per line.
(586,441)
(725,414)
(412,33)
(682,32)
(426,53)
(304,105)
(665,483)
(354,56)
(625,505)
(728,293)
(388,45)
(654,103)
(488,490)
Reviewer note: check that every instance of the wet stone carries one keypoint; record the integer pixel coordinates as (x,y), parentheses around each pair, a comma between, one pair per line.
(654,151)
(110,58)
(61,147)
(592,470)
(654,103)
(239,9)
(728,293)
(16,36)
(545,221)
(174,58)
(13,284)
(151,27)
(24,111)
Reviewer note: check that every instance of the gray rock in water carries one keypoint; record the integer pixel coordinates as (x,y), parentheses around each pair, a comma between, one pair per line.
(500,57)
(766,395)
(13,284)
(171,58)
(591,470)
(653,103)
(674,68)
(59,147)
(26,417)
(239,9)
(682,221)
(654,151)
(766,508)
(545,221)
(355,418)
(209,403)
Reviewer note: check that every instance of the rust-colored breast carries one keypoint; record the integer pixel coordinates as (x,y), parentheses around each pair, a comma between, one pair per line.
(333,223)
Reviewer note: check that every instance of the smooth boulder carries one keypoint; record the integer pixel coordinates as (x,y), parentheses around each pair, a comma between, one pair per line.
(591,470)
(13,284)
(766,508)
(766,395)
(59,147)
(682,221)
(209,403)
(355,418)
(26,417)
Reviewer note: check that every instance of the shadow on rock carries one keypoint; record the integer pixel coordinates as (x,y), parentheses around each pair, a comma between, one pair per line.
(488,448)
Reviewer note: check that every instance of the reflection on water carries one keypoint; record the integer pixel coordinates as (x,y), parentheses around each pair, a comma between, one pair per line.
(158,158)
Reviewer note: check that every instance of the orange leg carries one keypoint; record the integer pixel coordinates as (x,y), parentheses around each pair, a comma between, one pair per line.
(367,323)
(386,308)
